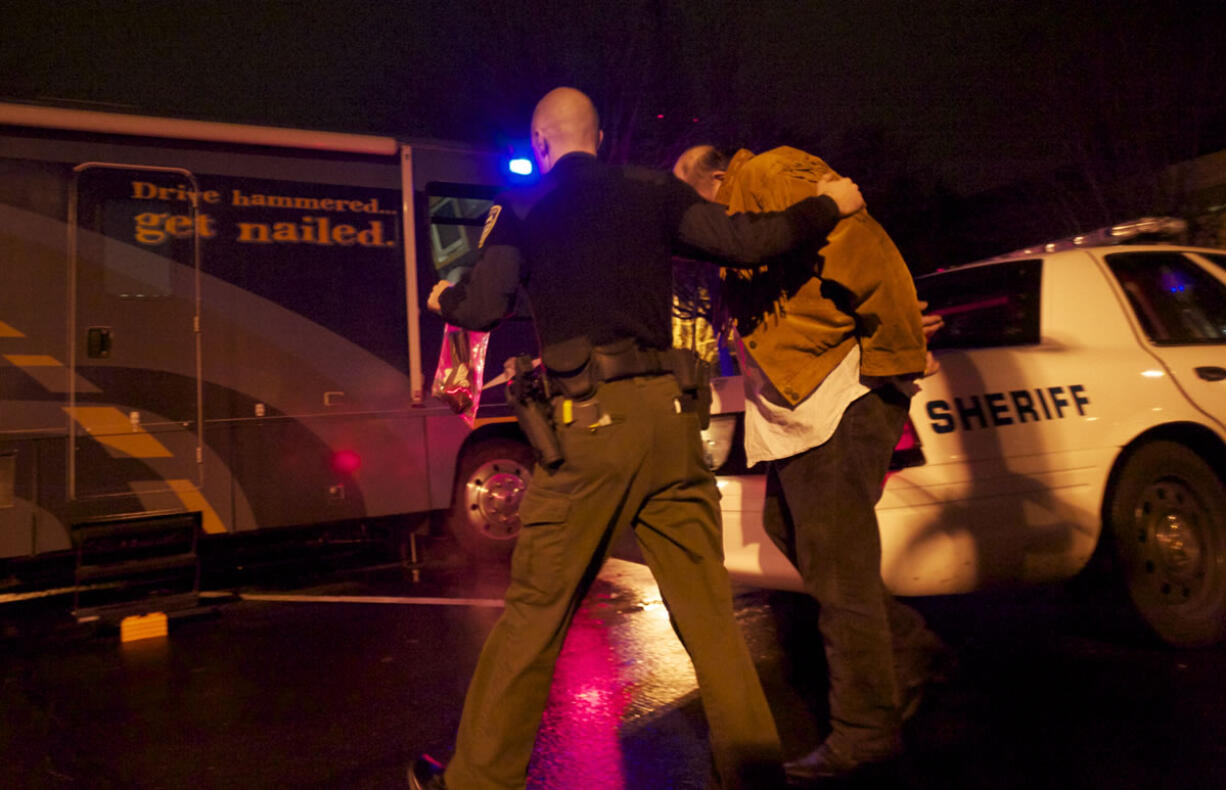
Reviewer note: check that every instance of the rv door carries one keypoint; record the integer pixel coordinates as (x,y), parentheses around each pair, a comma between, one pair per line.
(134,393)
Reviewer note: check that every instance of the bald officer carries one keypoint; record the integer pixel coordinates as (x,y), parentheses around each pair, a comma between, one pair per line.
(591,246)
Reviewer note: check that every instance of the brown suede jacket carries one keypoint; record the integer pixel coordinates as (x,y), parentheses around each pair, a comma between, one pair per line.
(799,321)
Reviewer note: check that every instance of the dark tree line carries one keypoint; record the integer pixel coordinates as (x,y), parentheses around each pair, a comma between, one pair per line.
(972,127)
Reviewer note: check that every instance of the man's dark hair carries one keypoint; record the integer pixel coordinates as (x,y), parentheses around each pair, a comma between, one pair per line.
(715,158)
(712,159)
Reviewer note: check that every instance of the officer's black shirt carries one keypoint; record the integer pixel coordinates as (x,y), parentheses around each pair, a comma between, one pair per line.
(592,245)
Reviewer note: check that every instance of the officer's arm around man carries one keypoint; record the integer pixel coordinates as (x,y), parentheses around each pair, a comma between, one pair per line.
(486,293)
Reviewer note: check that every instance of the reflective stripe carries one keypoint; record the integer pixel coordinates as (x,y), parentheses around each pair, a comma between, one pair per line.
(50,373)
(111,427)
(33,361)
(193,499)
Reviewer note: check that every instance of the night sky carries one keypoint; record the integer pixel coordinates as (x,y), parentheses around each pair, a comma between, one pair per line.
(952,96)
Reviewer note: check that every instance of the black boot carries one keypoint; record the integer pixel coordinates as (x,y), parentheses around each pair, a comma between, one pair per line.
(825,764)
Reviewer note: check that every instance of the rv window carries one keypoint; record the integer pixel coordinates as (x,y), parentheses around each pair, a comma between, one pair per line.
(457,215)
(133,242)
(142,270)
(1217,260)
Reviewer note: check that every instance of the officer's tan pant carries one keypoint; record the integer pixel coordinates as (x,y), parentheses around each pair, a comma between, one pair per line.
(645,471)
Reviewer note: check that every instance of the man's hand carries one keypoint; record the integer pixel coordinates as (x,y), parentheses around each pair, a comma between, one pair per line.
(844,192)
(432,302)
(930,323)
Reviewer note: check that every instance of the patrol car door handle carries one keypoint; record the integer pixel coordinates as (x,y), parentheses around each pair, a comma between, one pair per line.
(1211,372)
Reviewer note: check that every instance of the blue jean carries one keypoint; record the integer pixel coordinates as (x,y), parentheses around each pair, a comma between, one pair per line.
(820,512)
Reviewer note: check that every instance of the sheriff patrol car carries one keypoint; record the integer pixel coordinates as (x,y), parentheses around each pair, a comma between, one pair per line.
(1081,400)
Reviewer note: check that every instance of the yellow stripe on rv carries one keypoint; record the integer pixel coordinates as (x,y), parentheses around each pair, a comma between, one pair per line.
(111,427)
(50,373)
(193,499)
(8,330)
(33,361)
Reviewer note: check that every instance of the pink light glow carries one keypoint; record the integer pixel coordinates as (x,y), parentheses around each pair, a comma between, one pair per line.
(908,441)
(578,744)
(346,462)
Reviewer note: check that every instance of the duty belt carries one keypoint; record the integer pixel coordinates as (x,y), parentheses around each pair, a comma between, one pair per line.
(623,361)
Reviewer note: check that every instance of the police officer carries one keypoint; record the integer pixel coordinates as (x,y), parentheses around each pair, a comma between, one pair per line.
(591,246)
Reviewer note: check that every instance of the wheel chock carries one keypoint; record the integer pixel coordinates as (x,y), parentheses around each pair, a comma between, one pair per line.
(146,626)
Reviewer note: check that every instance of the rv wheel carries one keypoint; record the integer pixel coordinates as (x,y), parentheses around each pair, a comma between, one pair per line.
(490,483)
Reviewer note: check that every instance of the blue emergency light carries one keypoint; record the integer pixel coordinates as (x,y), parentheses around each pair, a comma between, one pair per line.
(520,166)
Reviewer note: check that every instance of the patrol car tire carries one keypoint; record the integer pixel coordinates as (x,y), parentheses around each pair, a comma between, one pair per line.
(491,479)
(1168,519)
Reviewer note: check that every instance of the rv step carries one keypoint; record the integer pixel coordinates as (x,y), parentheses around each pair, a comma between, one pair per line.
(141,559)
(134,528)
(183,605)
(133,568)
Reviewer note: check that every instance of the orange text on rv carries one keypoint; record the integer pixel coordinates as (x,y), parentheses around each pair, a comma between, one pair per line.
(313,230)
(154,228)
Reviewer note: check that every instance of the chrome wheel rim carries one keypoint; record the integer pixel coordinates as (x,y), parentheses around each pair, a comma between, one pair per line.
(1170,542)
(492,496)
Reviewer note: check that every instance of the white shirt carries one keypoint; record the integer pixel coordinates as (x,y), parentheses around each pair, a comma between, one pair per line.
(774,429)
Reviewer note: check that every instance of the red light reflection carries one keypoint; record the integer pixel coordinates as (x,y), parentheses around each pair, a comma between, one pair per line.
(346,462)
(578,744)
(908,441)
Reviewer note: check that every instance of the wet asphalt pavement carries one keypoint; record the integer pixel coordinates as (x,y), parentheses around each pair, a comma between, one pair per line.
(336,678)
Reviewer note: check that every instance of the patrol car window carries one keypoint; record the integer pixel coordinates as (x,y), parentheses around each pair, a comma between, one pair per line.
(1174,299)
(457,215)
(985,306)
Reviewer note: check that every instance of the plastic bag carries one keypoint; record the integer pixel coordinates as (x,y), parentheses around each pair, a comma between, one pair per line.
(461,367)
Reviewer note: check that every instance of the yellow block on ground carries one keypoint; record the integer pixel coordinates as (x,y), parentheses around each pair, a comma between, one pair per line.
(142,626)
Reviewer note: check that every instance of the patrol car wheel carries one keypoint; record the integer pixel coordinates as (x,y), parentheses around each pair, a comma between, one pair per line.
(1168,516)
(492,479)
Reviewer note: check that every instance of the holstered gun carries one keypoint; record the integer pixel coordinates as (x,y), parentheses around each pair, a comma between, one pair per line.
(527,398)
(694,380)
